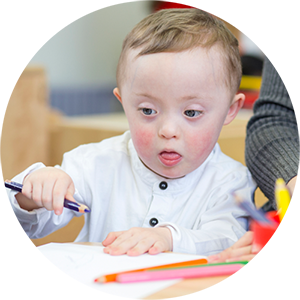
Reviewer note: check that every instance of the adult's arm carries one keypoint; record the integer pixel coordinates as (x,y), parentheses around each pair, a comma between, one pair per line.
(272,142)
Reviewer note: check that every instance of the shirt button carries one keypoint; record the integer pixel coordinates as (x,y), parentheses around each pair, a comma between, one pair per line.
(163,185)
(153,222)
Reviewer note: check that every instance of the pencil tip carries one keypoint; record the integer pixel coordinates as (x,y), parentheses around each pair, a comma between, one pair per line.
(280,182)
(100,280)
(87,210)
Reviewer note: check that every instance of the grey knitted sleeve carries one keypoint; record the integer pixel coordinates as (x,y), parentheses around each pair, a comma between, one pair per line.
(272,142)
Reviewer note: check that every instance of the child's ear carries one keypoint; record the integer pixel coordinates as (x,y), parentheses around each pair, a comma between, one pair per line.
(117,94)
(234,108)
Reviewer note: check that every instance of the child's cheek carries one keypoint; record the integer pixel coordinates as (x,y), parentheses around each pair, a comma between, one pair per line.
(202,144)
(143,142)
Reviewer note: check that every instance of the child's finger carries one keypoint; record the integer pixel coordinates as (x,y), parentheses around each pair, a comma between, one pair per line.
(121,247)
(111,237)
(60,189)
(125,236)
(245,240)
(47,194)
(70,197)
(37,194)
(27,189)
(140,248)
(157,248)
(230,253)
(244,244)
(70,192)
(240,252)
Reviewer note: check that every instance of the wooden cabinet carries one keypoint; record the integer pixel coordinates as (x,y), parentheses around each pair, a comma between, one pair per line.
(25,138)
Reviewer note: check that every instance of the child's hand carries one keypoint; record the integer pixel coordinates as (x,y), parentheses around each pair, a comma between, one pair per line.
(241,250)
(136,241)
(46,187)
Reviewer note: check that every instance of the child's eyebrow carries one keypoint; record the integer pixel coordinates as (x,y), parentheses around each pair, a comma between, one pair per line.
(189,97)
(201,98)
(146,95)
(186,98)
(183,98)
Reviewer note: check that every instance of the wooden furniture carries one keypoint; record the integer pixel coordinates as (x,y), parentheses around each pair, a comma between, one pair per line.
(25,138)
(71,132)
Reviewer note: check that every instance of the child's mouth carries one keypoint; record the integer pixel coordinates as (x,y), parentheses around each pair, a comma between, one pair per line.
(169,158)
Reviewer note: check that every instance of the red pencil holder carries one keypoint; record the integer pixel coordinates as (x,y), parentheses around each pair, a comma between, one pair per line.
(278,238)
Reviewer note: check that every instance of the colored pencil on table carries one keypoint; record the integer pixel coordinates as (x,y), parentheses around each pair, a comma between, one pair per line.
(220,270)
(67,203)
(113,277)
(248,281)
(179,274)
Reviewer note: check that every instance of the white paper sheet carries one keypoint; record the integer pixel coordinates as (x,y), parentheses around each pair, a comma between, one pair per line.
(86,263)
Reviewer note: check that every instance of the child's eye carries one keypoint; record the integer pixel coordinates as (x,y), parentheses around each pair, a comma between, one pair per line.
(192,113)
(148,111)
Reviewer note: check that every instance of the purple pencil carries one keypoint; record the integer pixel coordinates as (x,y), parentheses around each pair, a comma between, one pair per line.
(67,203)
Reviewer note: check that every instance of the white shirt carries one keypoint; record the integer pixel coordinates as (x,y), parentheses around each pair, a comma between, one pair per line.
(122,193)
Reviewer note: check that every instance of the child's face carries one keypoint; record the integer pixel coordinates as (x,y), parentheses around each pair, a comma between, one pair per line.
(176,105)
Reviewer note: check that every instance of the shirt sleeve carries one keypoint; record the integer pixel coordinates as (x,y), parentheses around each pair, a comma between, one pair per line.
(272,142)
(218,228)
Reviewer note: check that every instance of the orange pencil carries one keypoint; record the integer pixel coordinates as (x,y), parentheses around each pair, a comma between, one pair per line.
(113,277)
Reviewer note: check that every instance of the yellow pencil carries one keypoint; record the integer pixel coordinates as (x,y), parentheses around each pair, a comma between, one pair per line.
(282,194)
(289,211)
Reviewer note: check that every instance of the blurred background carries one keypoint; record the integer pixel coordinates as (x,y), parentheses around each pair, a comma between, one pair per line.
(80,61)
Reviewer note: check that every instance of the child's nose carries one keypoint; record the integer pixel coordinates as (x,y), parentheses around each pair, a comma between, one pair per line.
(169,130)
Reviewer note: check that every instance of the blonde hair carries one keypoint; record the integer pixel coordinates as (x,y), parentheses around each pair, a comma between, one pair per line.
(176,30)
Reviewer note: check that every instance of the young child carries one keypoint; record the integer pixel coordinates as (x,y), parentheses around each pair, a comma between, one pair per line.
(165,184)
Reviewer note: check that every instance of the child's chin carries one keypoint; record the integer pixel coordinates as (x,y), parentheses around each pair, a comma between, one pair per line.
(168,173)
(171,175)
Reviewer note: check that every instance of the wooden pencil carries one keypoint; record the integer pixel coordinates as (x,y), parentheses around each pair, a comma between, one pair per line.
(113,277)
(67,203)
(219,270)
